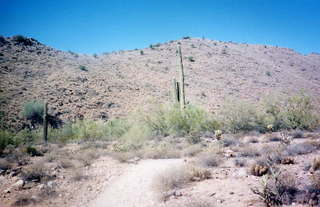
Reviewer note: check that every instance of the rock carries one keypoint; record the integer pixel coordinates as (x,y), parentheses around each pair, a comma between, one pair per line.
(29,185)
(229,153)
(8,190)
(18,185)
(134,160)
(51,184)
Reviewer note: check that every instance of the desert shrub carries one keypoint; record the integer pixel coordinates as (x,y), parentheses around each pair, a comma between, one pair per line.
(316,164)
(274,139)
(27,137)
(87,157)
(300,113)
(169,119)
(241,116)
(4,165)
(78,175)
(300,149)
(161,150)
(6,138)
(19,39)
(32,151)
(37,172)
(123,156)
(208,159)
(116,128)
(191,59)
(83,68)
(2,39)
(90,130)
(297,134)
(229,141)
(198,173)
(66,163)
(172,178)
(33,111)
(154,46)
(24,200)
(249,151)
(192,150)
(240,162)
(277,189)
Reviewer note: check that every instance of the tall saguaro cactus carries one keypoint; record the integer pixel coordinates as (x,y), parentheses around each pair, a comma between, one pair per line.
(176,91)
(45,122)
(182,98)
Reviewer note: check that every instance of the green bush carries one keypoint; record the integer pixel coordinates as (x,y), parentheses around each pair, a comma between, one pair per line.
(241,116)
(33,111)
(169,119)
(300,113)
(19,39)
(83,68)
(87,129)
(23,137)
(6,138)
(115,128)
(295,112)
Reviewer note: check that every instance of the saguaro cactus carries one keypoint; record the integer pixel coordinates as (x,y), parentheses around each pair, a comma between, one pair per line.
(182,98)
(45,122)
(176,92)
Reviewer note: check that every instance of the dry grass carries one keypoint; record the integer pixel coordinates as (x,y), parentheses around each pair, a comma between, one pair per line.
(240,162)
(24,200)
(277,189)
(177,177)
(78,175)
(199,173)
(300,149)
(316,164)
(198,203)
(194,203)
(5,165)
(171,179)
(123,156)
(66,163)
(162,151)
(249,151)
(36,172)
(229,141)
(87,157)
(192,150)
(207,159)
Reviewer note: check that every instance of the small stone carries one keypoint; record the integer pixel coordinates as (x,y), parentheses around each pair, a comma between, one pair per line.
(7,190)
(18,185)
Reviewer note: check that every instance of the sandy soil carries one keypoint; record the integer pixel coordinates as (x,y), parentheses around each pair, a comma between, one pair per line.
(134,187)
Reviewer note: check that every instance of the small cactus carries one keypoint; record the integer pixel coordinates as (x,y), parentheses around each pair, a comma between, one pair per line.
(218,133)
(259,170)
(287,161)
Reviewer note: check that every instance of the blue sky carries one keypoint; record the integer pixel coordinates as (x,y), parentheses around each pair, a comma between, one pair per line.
(98,26)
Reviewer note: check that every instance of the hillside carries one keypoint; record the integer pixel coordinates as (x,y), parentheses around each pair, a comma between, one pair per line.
(113,84)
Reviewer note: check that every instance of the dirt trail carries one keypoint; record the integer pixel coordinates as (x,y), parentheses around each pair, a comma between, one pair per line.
(134,187)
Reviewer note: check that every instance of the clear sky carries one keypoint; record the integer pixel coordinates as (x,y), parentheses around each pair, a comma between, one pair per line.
(96,26)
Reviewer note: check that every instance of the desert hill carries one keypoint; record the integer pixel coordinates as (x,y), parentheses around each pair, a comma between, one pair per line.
(113,84)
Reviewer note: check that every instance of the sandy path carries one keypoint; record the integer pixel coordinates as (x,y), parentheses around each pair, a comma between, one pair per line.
(134,187)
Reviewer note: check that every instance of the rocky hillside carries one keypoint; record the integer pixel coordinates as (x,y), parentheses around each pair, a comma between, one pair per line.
(113,84)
